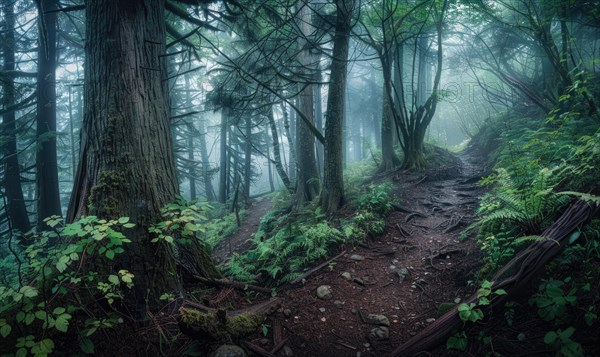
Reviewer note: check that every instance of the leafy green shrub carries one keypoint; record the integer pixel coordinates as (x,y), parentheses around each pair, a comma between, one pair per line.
(53,266)
(287,253)
(376,199)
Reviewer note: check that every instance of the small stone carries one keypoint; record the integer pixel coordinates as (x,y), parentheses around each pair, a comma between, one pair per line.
(430,320)
(358,354)
(413,286)
(322,309)
(359,281)
(229,351)
(395,261)
(338,304)
(457,300)
(353,311)
(377,320)
(347,275)
(287,351)
(521,337)
(287,313)
(357,257)
(324,292)
(380,333)
(367,345)
(392,267)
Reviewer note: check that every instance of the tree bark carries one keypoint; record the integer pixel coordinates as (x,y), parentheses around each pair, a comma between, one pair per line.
(206,169)
(277,153)
(127,166)
(332,194)
(247,160)
(223,156)
(16,209)
(46,178)
(307,180)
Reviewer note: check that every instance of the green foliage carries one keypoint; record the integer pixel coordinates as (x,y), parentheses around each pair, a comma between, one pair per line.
(552,300)
(288,243)
(523,208)
(182,221)
(561,340)
(376,199)
(295,245)
(65,265)
(472,311)
(458,341)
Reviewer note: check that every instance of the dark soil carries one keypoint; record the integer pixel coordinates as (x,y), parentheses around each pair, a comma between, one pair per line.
(240,241)
(421,238)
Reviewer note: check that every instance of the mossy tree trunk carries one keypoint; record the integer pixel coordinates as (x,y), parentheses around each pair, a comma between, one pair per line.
(127,166)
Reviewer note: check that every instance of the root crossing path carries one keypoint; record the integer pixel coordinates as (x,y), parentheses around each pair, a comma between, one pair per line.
(388,290)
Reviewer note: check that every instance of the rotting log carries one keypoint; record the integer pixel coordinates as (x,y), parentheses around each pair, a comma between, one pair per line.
(209,324)
(526,266)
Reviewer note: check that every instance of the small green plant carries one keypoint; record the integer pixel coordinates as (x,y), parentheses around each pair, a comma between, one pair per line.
(376,199)
(552,299)
(182,219)
(562,342)
(472,311)
(458,341)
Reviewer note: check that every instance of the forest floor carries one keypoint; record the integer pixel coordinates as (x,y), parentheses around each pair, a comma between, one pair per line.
(240,241)
(385,291)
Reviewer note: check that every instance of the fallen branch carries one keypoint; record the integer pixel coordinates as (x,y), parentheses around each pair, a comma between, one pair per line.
(230,283)
(313,270)
(529,264)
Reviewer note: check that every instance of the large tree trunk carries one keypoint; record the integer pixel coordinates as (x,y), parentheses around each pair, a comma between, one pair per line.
(46,178)
(16,210)
(332,195)
(127,166)
(307,181)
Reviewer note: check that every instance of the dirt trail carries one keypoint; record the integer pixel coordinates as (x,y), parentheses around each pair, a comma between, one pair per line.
(404,275)
(240,241)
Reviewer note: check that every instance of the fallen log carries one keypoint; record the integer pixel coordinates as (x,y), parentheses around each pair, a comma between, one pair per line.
(527,265)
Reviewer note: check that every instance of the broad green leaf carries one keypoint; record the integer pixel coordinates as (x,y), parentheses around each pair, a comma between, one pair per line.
(113,279)
(86,345)
(62,323)
(123,220)
(28,291)
(5,330)
(110,254)
(550,337)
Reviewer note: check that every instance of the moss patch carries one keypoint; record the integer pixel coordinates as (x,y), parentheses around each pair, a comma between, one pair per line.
(105,195)
(216,326)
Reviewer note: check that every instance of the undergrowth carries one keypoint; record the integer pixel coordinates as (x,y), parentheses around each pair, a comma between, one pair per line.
(288,242)
(540,165)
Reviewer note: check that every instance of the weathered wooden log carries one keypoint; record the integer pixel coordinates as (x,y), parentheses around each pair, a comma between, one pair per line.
(527,264)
